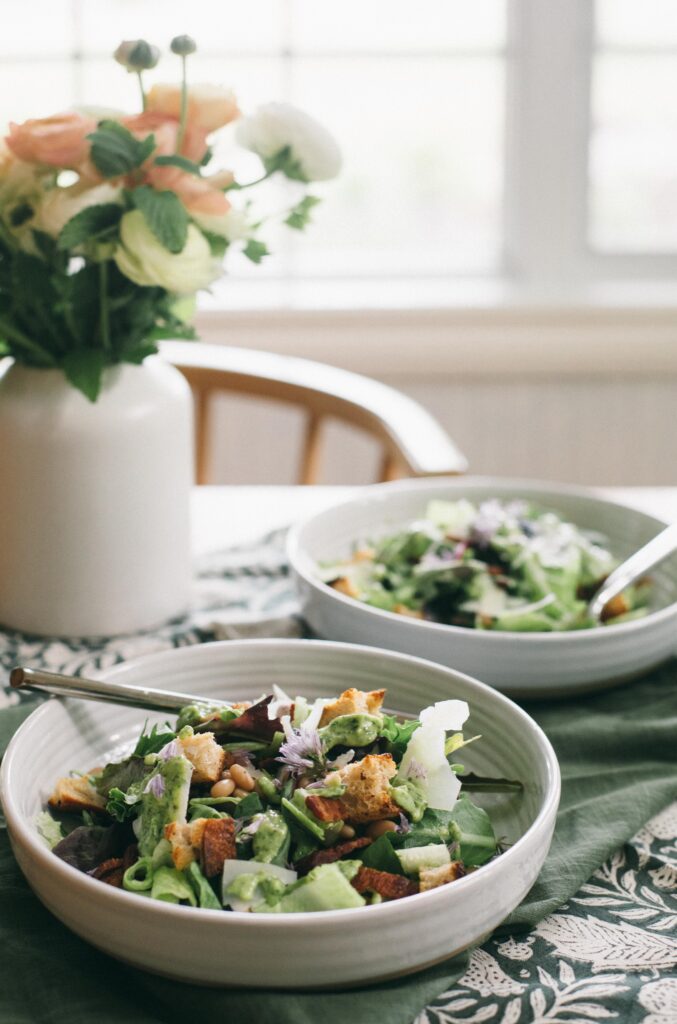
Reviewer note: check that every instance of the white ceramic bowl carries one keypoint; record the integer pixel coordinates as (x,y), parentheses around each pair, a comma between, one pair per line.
(330,948)
(521,664)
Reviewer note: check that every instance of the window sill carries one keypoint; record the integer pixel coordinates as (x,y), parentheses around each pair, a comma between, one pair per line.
(484,328)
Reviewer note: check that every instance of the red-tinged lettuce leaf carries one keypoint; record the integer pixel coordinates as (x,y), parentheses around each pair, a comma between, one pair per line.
(253,722)
(89,845)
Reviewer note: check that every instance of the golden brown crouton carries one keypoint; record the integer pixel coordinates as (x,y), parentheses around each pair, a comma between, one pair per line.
(345,586)
(352,702)
(387,885)
(76,794)
(431,878)
(206,756)
(411,613)
(367,796)
(185,839)
(218,844)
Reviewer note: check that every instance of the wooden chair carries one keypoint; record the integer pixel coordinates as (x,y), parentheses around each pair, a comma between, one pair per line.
(413,442)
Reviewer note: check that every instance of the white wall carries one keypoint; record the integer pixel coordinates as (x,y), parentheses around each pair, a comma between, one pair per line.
(586,398)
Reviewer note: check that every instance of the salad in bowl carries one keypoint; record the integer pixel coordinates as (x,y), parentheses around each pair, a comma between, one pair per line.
(280,806)
(504,565)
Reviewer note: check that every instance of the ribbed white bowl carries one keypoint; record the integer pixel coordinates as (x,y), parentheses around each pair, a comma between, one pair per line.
(521,664)
(331,948)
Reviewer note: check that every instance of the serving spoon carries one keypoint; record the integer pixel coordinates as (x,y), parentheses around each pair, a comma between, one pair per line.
(633,568)
(96,689)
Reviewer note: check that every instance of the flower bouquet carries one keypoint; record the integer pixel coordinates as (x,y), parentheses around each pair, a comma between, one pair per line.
(110,225)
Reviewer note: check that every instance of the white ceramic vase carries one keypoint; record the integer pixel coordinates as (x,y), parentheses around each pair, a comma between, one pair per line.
(94,500)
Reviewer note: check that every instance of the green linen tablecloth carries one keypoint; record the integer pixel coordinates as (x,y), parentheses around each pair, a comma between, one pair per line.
(596,939)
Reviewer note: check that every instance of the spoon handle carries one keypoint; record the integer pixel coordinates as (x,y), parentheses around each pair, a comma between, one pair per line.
(634,568)
(95,689)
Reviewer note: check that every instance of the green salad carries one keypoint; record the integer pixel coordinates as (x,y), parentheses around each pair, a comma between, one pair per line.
(499,565)
(281,806)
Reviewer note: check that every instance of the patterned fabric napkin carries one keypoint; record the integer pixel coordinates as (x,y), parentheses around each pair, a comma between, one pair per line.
(599,947)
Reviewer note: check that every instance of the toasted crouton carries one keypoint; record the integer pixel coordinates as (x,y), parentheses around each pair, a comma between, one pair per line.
(76,794)
(185,839)
(431,878)
(387,885)
(411,613)
(206,756)
(217,845)
(345,586)
(353,702)
(367,796)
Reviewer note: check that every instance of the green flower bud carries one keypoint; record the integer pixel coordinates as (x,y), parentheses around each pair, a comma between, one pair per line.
(137,55)
(183,46)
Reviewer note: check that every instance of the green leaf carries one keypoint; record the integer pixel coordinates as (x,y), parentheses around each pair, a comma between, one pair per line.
(153,741)
(182,162)
(471,828)
(88,224)
(381,856)
(84,369)
(115,151)
(255,250)
(165,215)
(285,161)
(299,217)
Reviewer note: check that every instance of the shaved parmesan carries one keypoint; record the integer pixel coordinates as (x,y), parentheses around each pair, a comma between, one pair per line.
(425,750)
(448,715)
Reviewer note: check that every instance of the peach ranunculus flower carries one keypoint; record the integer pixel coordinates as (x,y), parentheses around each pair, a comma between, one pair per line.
(209,106)
(205,203)
(166,130)
(58,141)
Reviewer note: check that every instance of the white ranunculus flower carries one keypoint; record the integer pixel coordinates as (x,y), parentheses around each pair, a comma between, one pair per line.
(61,204)
(276,126)
(233,225)
(143,259)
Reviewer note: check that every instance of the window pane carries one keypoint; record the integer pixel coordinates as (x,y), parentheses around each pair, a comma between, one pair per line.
(215,25)
(631,23)
(633,199)
(23,93)
(391,25)
(421,187)
(46,27)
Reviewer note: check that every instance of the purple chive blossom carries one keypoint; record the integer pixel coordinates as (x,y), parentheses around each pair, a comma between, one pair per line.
(156,786)
(171,749)
(404,825)
(490,516)
(302,748)
(415,770)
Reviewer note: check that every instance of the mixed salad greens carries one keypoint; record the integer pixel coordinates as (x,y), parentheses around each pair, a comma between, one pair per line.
(280,806)
(500,566)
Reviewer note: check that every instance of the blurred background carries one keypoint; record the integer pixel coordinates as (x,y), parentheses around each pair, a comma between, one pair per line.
(501,244)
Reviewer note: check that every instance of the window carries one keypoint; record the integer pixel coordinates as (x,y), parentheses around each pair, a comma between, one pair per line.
(512,141)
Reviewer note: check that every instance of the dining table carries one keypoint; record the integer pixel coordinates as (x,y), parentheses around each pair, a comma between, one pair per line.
(603,945)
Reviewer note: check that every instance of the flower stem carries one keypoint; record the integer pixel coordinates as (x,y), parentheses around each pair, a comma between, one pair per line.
(19,339)
(184,107)
(143,91)
(103,306)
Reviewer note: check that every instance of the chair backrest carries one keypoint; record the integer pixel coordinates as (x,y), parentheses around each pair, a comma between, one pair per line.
(413,442)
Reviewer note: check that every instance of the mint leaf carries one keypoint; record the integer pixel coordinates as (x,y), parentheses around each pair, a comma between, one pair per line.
(255,251)
(115,151)
(165,215)
(176,160)
(88,224)
(299,216)
(84,369)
